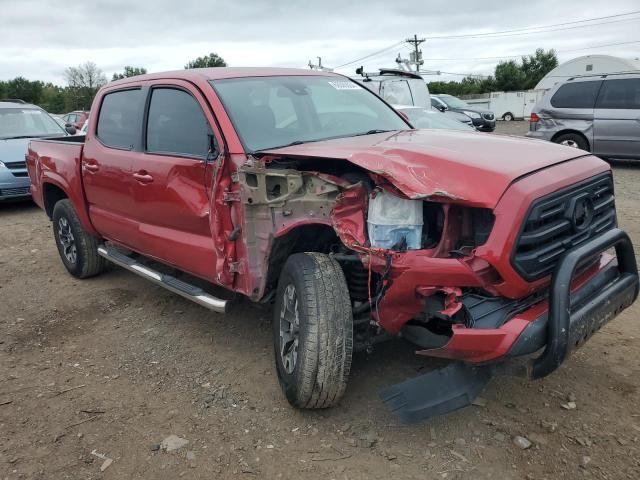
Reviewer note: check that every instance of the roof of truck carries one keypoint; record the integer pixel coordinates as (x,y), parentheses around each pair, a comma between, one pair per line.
(219,73)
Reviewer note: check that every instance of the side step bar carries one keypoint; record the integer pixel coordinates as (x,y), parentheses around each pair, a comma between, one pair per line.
(187,290)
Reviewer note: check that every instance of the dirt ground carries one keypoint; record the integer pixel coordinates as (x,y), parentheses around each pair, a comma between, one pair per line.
(113,365)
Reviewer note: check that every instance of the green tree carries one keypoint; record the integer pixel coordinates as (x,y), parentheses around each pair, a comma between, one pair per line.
(510,77)
(83,81)
(211,60)
(467,86)
(536,66)
(52,98)
(3,89)
(129,72)
(23,89)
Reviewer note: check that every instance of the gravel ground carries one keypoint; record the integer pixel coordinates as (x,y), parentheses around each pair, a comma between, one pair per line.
(105,369)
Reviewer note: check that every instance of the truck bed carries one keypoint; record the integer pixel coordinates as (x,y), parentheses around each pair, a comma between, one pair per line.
(55,167)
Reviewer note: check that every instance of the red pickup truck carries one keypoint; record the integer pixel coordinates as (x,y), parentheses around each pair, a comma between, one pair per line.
(304,189)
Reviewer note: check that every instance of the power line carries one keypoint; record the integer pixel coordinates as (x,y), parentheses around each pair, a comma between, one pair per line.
(371,55)
(525,54)
(500,33)
(504,33)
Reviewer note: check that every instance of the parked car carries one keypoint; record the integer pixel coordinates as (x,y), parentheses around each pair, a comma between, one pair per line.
(421,117)
(58,119)
(19,122)
(306,189)
(76,118)
(397,87)
(599,114)
(482,119)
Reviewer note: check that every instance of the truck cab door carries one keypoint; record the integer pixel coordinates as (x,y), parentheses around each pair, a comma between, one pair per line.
(107,159)
(617,119)
(172,179)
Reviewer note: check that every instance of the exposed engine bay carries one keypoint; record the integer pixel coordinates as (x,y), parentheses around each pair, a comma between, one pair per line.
(372,229)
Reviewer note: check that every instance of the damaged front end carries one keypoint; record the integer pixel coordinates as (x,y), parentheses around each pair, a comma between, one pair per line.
(437,269)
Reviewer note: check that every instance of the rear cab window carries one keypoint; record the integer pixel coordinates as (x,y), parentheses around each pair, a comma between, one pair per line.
(120,118)
(576,95)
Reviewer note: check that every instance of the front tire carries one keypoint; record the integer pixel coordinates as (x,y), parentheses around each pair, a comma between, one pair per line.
(507,117)
(312,331)
(78,250)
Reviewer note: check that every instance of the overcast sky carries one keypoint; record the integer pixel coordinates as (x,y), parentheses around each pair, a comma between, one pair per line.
(40,38)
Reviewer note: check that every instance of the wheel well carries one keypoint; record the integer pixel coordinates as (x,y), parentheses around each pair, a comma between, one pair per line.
(52,194)
(574,132)
(508,113)
(305,238)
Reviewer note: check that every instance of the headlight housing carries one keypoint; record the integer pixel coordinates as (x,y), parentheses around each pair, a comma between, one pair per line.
(471,114)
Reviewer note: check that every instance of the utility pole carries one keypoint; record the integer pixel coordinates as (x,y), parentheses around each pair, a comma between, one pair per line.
(416,55)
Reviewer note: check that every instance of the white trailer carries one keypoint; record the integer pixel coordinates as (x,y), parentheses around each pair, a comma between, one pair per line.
(508,105)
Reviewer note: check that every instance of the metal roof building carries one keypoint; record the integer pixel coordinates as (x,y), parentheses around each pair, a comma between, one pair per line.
(587,65)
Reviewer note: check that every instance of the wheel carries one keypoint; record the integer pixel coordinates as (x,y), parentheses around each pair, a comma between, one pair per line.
(78,250)
(312,331)
(572,140)
(507,117)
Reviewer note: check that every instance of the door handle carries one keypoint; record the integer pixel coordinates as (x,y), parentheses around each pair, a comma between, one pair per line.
(143,176)
(91,167)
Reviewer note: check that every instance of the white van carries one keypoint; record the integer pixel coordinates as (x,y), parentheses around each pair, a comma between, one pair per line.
(397,87)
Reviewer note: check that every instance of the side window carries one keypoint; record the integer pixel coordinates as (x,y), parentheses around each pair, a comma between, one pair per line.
(119,119)
(176,124)
(576,95)
(621,93)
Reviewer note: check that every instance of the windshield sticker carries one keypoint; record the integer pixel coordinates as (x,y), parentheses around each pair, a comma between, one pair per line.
(344,85)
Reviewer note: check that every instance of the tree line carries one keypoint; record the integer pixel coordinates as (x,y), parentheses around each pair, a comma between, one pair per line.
(508,76)
(82,83)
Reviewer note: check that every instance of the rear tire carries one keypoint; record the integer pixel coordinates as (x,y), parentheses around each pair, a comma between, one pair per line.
(78,250)
(574,140)
(508,117)
(312,331)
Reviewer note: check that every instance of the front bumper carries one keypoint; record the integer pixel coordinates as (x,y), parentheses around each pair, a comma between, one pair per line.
(12,187)
(484,124)
(573,311)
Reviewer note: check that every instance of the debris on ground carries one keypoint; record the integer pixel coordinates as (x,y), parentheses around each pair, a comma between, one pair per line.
(522,442)
(172,443)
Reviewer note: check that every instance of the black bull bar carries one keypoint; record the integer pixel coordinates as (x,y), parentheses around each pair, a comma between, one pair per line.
(456,385)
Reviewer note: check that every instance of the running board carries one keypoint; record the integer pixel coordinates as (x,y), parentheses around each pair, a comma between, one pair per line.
(184,289)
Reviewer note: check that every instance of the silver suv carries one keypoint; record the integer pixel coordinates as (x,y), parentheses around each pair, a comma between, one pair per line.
(600,114)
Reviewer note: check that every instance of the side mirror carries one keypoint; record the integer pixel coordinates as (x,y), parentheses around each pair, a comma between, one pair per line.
(442,108)
(71,130)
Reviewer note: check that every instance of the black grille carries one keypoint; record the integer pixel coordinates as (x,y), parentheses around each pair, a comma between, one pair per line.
(18,169)
(12,192)
(560,221)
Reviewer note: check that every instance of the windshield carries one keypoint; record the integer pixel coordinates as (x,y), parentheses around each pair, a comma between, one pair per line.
(270,112)
(26,123)
(453,102)
(428,118)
